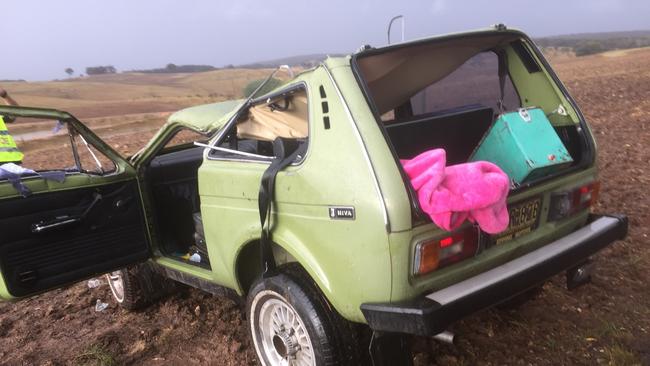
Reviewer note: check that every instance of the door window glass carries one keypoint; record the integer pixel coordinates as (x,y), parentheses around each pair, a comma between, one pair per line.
(50,145)
(45,144)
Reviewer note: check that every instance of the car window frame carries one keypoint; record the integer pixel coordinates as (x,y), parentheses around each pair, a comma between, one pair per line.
(73,133)
(232,122)
(74,179)
(77,169)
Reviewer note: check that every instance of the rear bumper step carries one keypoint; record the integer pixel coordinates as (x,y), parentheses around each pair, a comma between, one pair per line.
(434,312)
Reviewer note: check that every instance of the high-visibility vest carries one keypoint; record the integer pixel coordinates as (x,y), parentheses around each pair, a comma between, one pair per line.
(8,149)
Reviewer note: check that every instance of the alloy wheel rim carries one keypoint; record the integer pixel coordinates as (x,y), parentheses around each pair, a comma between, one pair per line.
(283,335)
(116,283)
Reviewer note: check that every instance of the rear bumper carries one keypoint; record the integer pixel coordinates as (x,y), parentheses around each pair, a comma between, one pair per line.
(434,312)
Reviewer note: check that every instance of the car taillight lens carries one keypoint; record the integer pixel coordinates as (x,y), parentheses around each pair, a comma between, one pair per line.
(433,254)
(564,204)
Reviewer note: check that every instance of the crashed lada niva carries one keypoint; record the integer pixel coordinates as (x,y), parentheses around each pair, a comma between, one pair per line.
(298,201)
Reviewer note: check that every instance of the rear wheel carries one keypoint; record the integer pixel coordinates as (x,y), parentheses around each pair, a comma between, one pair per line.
(291,323)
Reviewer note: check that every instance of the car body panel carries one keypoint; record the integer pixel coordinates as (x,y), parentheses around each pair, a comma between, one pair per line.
(385,168)
(528,87)
(302,226)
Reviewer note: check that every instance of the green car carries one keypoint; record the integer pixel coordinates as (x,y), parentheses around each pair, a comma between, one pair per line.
(295,201)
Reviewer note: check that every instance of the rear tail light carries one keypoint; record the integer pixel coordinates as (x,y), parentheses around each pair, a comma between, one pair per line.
(433,254)
(564,204)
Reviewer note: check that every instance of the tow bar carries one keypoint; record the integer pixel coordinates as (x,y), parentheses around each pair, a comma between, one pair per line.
(579,275)
(392,349)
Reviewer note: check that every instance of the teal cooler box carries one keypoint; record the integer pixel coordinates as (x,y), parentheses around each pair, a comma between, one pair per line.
(524,145)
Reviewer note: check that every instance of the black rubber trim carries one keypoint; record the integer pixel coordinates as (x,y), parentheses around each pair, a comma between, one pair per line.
(426,317)
(196,282)
(525,56)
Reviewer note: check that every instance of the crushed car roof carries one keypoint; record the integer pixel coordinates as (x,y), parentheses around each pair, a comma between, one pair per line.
(204,117)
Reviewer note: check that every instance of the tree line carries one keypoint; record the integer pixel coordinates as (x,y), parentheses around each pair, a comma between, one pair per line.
(580,44)
(589,45)
(173,68)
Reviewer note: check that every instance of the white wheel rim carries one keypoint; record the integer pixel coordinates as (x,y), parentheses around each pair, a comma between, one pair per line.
(116,283)
(280,336)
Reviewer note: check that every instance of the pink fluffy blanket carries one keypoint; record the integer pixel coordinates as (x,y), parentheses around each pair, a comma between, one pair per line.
(476,191)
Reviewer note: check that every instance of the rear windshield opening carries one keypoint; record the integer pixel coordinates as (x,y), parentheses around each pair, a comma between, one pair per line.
(451,113)
(476,82)
(449,93)
(480,98)
(440,95)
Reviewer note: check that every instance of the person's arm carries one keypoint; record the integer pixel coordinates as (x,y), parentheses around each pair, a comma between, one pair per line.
(8,99)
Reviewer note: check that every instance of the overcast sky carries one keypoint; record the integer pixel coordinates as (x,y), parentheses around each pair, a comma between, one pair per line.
(39,39)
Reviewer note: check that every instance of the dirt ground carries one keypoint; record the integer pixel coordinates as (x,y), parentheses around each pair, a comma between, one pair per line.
(606,322)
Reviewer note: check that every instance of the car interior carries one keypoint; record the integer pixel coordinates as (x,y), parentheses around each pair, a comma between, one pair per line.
(457,131)
(172,174)
(173,183)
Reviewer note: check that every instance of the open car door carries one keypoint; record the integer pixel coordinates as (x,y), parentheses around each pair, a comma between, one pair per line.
(63,221)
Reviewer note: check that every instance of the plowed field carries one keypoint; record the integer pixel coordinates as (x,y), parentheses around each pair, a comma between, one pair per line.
(606,322)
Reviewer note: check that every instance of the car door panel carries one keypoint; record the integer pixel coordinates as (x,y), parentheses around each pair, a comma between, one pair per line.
(106,231)
(63,232)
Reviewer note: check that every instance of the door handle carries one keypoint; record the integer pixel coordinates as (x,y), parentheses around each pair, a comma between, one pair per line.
(65,220)
(56,223)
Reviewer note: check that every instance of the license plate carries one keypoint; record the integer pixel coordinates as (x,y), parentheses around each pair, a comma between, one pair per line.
(524,218)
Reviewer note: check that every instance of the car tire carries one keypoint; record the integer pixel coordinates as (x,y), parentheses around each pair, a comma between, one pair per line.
(137,286)
(289,318)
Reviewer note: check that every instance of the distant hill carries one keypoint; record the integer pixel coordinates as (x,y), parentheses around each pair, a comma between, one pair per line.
(590,43)
(174,69)
(602,35)
(580,44)
(300,60)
